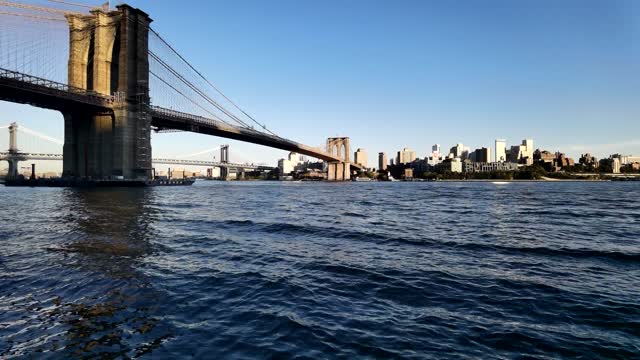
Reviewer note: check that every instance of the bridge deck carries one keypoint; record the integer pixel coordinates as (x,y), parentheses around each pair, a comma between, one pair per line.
(27,89)
(35,156)
(171,119)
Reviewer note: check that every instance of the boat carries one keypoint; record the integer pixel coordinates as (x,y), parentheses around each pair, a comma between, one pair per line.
(363,179)
(500,182)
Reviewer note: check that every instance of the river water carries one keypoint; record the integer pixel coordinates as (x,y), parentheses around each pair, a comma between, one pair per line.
(319,270)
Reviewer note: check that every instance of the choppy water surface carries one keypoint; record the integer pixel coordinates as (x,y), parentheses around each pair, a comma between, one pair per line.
(310,270)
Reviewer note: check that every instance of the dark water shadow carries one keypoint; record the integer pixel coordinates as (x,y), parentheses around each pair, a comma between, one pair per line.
(105,306)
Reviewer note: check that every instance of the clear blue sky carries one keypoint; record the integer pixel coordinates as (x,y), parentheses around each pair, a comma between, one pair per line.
(410,73)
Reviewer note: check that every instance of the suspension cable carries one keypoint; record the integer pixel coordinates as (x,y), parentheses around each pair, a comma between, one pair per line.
(188,98)
(39,17)
(200,152)
(36,8)
(72,4)
(198,91)
(41,136)
(207,81)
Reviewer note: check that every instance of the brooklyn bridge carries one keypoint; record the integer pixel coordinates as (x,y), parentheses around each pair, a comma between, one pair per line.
(115,80)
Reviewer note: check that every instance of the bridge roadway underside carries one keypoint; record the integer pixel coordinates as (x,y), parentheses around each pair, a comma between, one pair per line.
(168,119)
(50,96)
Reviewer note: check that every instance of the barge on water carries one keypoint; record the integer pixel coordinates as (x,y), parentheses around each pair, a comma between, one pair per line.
(90,183)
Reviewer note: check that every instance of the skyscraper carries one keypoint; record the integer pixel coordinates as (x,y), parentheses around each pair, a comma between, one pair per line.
(360,157)
(406,156)
(456,150)
(460,151)
(501,150)
(522,153)
(483,155)
(435,151)
(382,161)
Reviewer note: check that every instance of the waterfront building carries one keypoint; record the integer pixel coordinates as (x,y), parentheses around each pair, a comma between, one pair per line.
(500,150)
(543,156)
(296,158)
(628,159)
(50,174)
(516,154)
(460,151)
(285,166)
(408,173)
(456,150)
(360,157)
(405,156)
(472,156)
(450,165)
(471,167)
(465,153)
(523,153)
(177,173)
(213,172)
(588,160)
(615,165)
(382,161)
(308,166)
(562,161)
(433,161)
(421,166)
(482,155)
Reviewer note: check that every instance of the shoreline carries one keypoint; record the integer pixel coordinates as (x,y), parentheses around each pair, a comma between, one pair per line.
(524,180)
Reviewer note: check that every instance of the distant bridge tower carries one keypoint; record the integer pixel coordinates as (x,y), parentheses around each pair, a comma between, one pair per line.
(224,158)
(108,54)
(14,156)
(13,138)
(224,154)
(340,147)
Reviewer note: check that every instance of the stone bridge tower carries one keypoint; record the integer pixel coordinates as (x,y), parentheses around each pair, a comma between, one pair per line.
(224,158)
(108,54)
(14,154)
(340,147)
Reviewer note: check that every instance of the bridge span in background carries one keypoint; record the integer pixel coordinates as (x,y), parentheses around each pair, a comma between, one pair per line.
(28,152)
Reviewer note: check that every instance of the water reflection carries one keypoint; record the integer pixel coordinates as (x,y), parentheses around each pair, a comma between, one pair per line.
(110,222)
(111,309)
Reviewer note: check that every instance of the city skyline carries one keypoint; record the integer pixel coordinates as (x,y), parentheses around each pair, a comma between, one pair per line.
(431,73)
(502,151)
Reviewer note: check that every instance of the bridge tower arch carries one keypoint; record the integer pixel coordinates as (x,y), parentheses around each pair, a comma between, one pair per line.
(339,170)
(108,54)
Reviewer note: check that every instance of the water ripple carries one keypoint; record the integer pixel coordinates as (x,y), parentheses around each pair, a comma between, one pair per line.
(279,270)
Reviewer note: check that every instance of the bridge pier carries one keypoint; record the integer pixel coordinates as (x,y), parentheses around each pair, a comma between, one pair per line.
(13,168)
(338,171)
